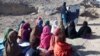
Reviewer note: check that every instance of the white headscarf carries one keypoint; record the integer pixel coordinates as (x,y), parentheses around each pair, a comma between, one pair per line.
(54,26)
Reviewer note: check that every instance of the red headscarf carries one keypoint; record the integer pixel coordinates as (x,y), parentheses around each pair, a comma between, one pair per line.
(61,48)
(45,37)
(54,38)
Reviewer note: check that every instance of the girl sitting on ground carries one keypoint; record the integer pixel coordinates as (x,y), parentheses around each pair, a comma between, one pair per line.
(11,46)
(6,32)
(47,23)
(33,51)
(71,30)
(25,33)
(85,31)
(45,38)
(39,26)
(18,26)
(61,48)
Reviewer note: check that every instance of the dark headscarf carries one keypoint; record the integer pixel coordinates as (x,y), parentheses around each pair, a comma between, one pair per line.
(26,32)
(72,30)
(26,26)
(40,23)
(63,9)
(64,4)
(85,30)
(72,24)
(18,27)
(48,23)
(85,24)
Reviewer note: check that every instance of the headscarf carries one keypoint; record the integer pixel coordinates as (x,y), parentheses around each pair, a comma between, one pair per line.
(54,26)
(46,30)
(64,4)
(26,30)
(39,21)
(62,49)
(72,24)
(45,38)
(11,47)
(47,23)
(38,28)
(57,31)
(85,24)
(72,30)
(85,31)
(18,27)
(6,32)
(55,37)
(59,35)
(26,26)
(63,9)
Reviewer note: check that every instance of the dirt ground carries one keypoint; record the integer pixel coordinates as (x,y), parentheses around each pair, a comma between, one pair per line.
(85,47)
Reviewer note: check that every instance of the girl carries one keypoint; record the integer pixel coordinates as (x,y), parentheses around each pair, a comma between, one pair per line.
(61,48)
(85,31)
(45,38)
(11,46)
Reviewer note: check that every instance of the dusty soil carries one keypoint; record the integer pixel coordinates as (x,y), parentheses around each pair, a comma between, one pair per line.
(45,9)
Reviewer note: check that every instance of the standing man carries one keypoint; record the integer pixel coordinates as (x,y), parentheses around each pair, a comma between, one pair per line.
(64,14)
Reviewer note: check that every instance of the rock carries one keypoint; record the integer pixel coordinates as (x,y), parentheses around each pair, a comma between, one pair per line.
(16,9)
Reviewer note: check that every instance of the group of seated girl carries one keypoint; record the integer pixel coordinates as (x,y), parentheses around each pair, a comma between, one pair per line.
(47,40)
(84,31)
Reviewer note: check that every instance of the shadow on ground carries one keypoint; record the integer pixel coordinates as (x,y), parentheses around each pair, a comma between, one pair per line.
(95,37)
(78,52)
(89,53)
(75,50)
(89,24)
